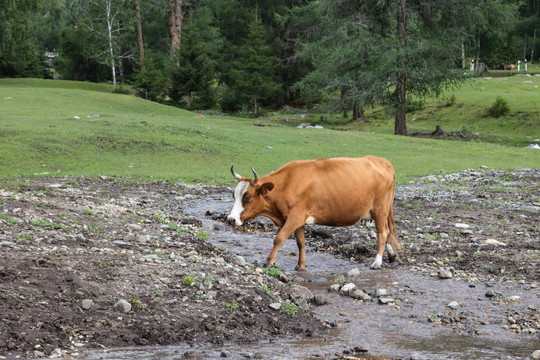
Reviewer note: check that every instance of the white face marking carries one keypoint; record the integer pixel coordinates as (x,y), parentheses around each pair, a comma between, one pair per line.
(377,263)
(237,209)
(310,220)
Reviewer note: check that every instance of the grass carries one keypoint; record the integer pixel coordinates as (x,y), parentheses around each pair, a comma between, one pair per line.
(136,138)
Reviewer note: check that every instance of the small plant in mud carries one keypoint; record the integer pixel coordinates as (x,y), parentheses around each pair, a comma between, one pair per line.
(188,280)
(8,219)
(46,223)
(135,301)
(159,218)
(203,235)
(24,236)
(88,213)
(96,229)
(275,272)
(103,265)
(173,226)
(267,289)
(208,278)
(231,306)
(341,280)
(158,293)
(290,309)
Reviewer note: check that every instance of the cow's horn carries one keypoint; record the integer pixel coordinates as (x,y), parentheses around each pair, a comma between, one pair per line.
(256,176)
(237,176)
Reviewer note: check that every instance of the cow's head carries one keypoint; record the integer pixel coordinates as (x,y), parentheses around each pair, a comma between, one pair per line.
(249,198)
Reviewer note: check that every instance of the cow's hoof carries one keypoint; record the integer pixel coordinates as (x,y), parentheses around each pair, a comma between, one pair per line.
(268,265)
(300,268)
(377,264)
(392,257)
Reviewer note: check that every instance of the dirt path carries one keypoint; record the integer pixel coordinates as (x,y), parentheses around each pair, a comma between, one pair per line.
(70,249)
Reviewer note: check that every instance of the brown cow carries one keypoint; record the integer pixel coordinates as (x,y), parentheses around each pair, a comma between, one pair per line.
(332,192)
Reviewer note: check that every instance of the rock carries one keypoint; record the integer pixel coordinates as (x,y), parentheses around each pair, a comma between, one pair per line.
(359,294)
(211,294)
(445,273)
(135,227)
(320,300)
(536,355)
(380,292)
(121,243)
(123,306)
(346,289)
(454,305)
(462,226)
(148,257)
(143,238)
(7,243)
(334,288)
(87,304)
(491,293)
(494,242)
(354,272)
(386,300)
(240,260)
(275,306)
(300,295)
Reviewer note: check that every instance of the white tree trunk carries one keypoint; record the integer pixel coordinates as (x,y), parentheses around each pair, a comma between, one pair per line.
(111,51)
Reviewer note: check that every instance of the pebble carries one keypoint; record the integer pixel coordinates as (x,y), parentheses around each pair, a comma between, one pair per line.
(123,306)
(275,306)
(354,272)
(385,300)
(151,257)
(453,305)
(462,226)
(494,242)
(87,304)
(345,289)
(536,355)
(445,273)
(320,300)
(334,288)
(380,292)
(240,260)
(135,227)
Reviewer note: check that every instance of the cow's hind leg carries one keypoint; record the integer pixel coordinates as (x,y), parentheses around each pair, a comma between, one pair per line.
(382,237)
(301,242)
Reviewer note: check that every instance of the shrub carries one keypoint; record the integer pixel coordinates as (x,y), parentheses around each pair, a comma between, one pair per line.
(499,108)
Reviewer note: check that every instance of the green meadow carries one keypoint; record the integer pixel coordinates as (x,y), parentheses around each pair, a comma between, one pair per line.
(125,136)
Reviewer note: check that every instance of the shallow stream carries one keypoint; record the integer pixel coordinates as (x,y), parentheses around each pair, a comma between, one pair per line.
(386,331)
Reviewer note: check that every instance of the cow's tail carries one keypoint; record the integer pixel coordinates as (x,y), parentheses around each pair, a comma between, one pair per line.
(392,237)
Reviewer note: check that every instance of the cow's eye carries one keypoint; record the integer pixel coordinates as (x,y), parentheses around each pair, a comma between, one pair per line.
(247,198)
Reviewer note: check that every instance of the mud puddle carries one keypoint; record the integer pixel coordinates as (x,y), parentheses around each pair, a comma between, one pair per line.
(417,324)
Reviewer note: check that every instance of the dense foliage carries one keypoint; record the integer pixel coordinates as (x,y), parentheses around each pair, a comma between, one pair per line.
(241,55)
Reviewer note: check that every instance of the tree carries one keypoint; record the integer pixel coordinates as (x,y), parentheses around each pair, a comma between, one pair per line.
(176,17)
(140,43)
(18,53)
(253,73)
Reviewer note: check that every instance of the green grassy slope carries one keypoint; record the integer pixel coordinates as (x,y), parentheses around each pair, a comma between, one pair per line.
(134,137)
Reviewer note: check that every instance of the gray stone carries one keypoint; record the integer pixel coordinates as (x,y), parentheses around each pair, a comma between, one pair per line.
(345,289)
(380,292)
(334,288)
(445,273)
(320,300)
(359,294)
(87,304)
(121,243)
(135,227)
(123,306)
(240,260)
(462,226)
(7,243)
(148,257)
(354,272)
(300,295)
(386,300)
(453,305)
(275,306)
(536,355)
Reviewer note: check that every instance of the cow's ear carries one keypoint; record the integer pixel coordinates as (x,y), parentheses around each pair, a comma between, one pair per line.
(265,188)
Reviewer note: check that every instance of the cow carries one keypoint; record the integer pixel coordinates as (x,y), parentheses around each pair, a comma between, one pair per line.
(331,192)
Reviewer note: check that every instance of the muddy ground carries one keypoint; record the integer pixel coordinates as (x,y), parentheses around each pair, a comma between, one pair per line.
(71,248)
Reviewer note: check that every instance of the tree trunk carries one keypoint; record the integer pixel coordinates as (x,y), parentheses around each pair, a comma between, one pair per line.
(140,43)
(463,59)
(344,105)
(176,16)
(400,127)
(111,50)
(477,56)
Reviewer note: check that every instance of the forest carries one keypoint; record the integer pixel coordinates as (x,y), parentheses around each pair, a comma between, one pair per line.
(242,57)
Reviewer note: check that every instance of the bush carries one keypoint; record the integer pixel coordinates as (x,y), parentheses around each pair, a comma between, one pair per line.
(499,108)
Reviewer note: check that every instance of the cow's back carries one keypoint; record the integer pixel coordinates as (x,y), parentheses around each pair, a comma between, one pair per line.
(335,191)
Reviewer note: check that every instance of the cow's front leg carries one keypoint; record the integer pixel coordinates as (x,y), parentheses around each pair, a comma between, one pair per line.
(382,238)
(283,234)
(301,242)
